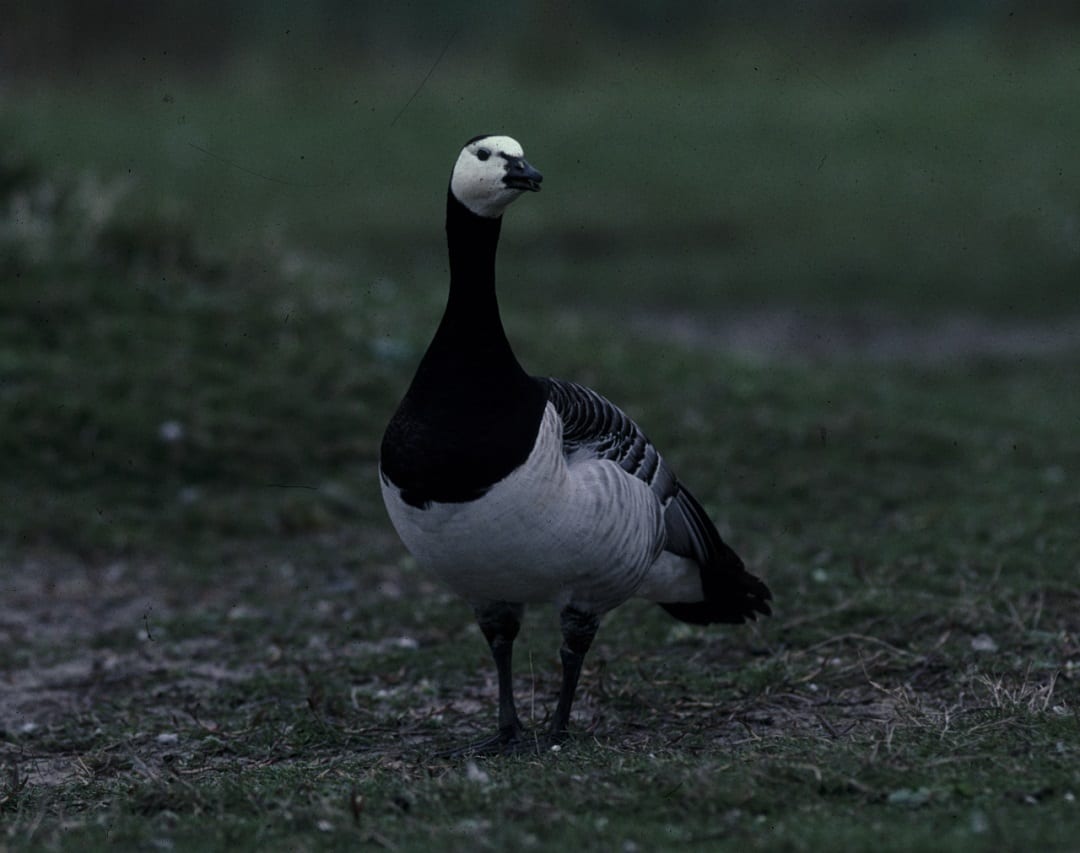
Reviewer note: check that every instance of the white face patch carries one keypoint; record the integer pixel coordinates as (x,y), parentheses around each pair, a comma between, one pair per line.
(477,180)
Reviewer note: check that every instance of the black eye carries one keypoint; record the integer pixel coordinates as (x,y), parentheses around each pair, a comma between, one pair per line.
(483,154)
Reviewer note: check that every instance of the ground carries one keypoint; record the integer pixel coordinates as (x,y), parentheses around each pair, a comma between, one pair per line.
(209,635)
(310,688)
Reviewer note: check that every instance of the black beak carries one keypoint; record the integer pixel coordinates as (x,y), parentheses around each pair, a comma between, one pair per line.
(521,176)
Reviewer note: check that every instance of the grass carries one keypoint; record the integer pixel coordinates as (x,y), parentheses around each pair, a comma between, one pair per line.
(211,637)
(924,174)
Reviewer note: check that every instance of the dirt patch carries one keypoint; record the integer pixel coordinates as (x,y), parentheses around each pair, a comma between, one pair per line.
(81,645)
(95,688)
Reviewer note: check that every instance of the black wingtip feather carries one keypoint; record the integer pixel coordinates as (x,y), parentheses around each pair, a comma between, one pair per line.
(732,594)
(734,608)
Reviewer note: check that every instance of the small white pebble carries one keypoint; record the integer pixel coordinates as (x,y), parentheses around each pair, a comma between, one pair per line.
(188,495)
(474,774)
(167,737)
(1054,474)
(983,643)
(171,432)
(324,826)
(472,826)
(240,611)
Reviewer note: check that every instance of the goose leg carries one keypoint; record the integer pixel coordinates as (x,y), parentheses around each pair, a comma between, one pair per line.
(500,622)
(578,630)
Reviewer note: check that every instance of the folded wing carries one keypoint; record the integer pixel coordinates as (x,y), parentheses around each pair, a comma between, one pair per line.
(595,428)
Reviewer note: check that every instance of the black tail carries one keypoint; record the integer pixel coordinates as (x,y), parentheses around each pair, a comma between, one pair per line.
(732,594)
(737,603)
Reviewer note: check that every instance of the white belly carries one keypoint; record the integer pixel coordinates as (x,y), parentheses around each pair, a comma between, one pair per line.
(584,533)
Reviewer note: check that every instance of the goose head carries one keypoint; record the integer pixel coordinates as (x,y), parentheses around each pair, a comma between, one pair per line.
(491,172)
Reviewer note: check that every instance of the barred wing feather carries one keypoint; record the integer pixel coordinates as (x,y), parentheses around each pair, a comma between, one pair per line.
(595,428)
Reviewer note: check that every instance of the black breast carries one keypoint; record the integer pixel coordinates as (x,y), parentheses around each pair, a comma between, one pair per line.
(451,444)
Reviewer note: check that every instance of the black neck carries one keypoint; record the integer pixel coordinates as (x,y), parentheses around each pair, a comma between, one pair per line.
(472,413)
(471,325)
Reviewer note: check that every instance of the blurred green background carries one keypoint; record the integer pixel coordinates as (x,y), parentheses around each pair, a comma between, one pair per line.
(920,156)
(221,239)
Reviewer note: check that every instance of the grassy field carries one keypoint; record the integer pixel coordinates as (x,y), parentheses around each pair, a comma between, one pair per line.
(211,638)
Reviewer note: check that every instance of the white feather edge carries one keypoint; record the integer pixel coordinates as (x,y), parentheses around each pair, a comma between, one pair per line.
(581,532)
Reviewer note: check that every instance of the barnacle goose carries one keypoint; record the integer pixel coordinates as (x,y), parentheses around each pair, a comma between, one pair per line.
(517,489)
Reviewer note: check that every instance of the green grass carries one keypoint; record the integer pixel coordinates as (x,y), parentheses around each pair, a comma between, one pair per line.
(924,174)
(209,635)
